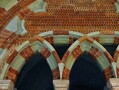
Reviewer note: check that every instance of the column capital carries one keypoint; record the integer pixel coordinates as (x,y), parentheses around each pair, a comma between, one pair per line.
(6,85)
(61,84)
(113,84)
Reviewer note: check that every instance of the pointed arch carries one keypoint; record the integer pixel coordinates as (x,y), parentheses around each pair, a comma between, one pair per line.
(105,37)
(116,58)
(108,37)
(23,52)
(62,37)
(85,43)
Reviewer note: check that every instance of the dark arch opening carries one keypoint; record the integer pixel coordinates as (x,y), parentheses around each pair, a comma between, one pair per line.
(111,48)
(35,75)
(61,49)
(86,74)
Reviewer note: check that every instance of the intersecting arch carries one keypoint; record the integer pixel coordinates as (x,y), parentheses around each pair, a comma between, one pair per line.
(105,37)
(109,37)
(61,37)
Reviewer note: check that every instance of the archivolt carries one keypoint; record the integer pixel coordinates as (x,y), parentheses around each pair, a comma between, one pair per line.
(23,52)
(100,54)
(109,37)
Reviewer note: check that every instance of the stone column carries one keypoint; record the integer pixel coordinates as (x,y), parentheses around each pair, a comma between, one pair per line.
(6,85)
(113,84)
(61,84)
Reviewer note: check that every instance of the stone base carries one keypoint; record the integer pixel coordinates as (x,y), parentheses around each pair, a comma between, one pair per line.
(61,84)
(6,85)
(113,84)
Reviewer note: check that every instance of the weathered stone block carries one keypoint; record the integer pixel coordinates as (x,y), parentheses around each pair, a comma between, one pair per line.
(6,85)
(61,84)
(113,84)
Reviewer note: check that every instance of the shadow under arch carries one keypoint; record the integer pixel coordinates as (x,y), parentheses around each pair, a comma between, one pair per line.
(86,74)
(61,40)
(35,75)
(23,52)
(97,51)
(110,40)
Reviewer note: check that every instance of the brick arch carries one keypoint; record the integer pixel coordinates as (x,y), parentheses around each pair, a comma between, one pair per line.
(61,37)
(105,37)
(96,50)
(116,58)
(23,52)
(108,37)
(8,43)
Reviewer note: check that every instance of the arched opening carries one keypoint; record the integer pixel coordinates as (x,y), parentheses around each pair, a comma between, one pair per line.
(111,48)
(40,68)
(61,49)
(35,75)
(94,49)
(86,74)
(110,41)
(73,16)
